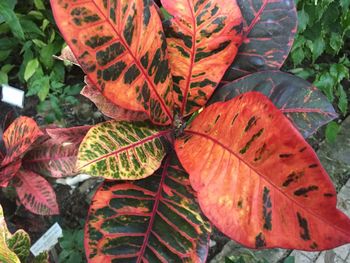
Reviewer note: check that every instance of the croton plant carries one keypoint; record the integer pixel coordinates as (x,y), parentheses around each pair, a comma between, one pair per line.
(205,130)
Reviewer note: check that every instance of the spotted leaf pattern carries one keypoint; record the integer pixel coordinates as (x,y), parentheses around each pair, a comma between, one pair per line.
(122,150)
(110,109)
(35,193)
(202,35)
(20,244)
(269,30)
(6,254)
(52,159)
(156,219)
(246,160)
(122,48)
(18,138)
(302,103)
(8,172)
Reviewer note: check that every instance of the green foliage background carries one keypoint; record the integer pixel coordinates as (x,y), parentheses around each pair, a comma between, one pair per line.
(321,51)
(28,41)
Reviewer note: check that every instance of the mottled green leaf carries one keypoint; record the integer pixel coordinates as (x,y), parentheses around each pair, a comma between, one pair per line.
(122,150)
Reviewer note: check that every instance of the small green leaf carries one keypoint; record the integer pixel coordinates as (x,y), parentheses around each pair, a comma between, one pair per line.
(303,20)
(39,4)
(336,42)
(9,16)
(45,88)
(31,67)
(3,78)
(298,56)
(343,99)
(332,131)
(318,48)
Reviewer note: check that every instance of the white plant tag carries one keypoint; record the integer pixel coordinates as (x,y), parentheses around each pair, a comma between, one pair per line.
(48,240)
(12,95)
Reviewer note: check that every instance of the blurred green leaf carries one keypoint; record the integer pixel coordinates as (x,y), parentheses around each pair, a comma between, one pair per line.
(9,16)
(332,131)
(3,78)
(31,67)
(289,259)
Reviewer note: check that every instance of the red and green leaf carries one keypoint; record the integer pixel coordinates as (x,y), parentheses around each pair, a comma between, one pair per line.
(52,159)
(257,178)
(73,135)
(269,30)
(35,193)
(18,138)
(8,172)
(122,150)
(156,219)
(110,109)
(122,48)
(203,38)
(301,102)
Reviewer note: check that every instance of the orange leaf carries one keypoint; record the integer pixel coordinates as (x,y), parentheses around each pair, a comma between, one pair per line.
(258,180)
(202,40)
(122,48)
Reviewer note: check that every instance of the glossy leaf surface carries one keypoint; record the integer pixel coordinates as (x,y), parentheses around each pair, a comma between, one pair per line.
(110,109)
(18,137)
(203,38)
(269,30)
(6,254)
(52,159)
(122,48)
(8,172)
(122,150)
(258,180)
(155,219)
(302,103)
(35,193)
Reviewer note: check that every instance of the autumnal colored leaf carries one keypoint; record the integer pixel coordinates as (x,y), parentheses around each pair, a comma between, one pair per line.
(122,48)
(35,193)
(302,103)
(269,30)
(8,172)
(73,135)
(18,137)
(258,180)
(6,254)
(52,159)
(122,150)
(156,219)
(110,109)
(203,39)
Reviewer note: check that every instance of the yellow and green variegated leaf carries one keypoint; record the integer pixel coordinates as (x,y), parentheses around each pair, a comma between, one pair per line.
(203,38)
(122,150)
(20,244)
(122,48)
(6,254)
(156,219)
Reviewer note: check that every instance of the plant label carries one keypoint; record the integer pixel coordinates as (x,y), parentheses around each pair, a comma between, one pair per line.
(47,241)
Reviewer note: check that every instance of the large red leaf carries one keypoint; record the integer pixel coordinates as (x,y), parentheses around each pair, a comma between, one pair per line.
(35,193)
(52,159)
(302,103)
(18,137)
(156,219)
(122,48)
(270,27)
(258,180)
(110,109)
(8,172)
(203,38)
